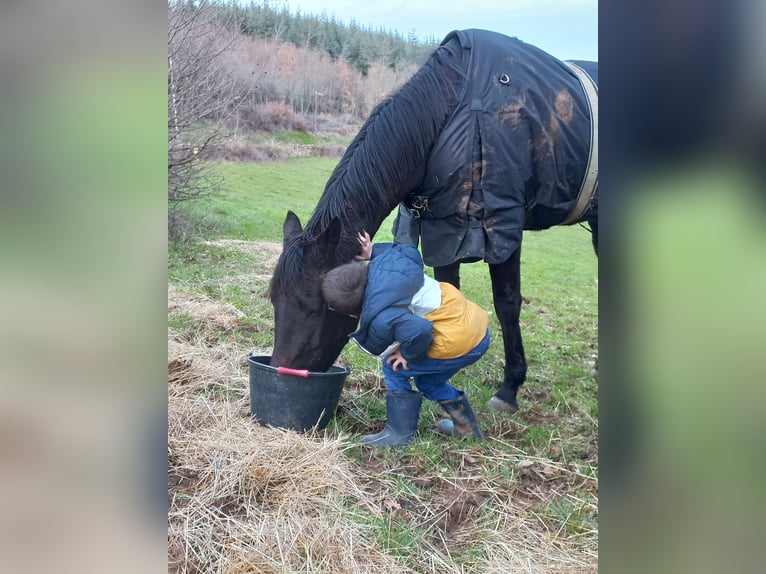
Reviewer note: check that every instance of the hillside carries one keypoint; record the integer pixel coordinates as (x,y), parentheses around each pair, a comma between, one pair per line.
(236,71)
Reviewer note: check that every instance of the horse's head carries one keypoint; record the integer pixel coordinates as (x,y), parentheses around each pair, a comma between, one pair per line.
(307,335)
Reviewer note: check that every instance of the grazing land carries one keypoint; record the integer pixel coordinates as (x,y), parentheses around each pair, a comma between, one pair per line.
(244,498)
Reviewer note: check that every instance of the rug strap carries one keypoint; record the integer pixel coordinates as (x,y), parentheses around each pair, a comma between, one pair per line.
(590,181)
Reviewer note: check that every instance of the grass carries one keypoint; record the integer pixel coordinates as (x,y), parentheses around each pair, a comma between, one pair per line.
(523,500)
(254,197)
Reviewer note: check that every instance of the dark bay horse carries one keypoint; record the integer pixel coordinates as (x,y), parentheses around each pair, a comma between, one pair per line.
(490,137)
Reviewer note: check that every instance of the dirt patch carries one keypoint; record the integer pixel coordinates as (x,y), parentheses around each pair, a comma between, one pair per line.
(443,507)
(543,483)
(457,507)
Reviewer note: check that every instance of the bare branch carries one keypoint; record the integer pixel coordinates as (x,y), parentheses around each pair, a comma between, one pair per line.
(203,93)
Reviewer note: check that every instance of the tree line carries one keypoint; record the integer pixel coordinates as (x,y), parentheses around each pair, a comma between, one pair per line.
(361,46)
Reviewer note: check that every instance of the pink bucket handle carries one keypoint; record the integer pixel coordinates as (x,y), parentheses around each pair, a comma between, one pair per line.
(297,372)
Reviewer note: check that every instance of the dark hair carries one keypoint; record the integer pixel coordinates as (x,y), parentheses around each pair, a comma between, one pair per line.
(343,287)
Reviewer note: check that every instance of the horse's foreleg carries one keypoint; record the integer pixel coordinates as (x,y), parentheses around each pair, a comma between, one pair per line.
(449,274)
(506,291)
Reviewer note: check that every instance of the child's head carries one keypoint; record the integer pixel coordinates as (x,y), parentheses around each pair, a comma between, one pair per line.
(343,288)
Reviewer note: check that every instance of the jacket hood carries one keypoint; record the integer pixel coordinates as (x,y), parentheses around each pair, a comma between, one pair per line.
(395,274)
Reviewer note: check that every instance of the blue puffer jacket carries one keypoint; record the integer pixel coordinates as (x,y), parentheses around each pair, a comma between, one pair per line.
(395,274)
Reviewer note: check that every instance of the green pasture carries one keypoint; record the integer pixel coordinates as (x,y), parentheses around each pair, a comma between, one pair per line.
(558,421)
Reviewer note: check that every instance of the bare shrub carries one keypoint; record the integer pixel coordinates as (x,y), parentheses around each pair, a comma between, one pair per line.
(239,149)
(328,150)
(272,117)
(202,94)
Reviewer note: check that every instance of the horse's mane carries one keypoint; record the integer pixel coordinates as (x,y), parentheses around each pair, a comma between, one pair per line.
(394,140)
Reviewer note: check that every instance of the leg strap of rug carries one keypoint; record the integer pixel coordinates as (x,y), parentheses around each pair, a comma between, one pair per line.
(590,181)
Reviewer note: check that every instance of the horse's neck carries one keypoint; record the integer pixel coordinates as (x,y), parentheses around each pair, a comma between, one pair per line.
(348,246)
(387,204)
(398,193)
(360,213)
(387,158)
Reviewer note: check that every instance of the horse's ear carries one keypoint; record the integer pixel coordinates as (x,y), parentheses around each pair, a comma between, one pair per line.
(291,228)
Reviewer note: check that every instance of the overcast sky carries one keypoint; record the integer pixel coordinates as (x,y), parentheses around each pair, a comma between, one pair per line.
(567,29)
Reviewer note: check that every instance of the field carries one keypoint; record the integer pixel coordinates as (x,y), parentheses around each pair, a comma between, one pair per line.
(243,498)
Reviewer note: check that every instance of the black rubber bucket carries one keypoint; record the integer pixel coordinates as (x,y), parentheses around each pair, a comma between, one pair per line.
(297,400)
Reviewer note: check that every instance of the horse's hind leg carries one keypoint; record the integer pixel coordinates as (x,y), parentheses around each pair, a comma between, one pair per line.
(449,274)
(506,291)
(593,222)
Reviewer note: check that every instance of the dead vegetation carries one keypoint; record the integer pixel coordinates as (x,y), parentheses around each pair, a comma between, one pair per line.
(244,498)
(238,148)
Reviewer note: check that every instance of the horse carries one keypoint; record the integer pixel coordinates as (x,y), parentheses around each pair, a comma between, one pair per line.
(490,137)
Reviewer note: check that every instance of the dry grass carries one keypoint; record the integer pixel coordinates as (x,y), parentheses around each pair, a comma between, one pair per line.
(245,498)
(214,314)
(242,149)
(250,499)
(266,250)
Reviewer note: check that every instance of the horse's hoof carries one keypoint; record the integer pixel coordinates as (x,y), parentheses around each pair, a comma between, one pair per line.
(499,405)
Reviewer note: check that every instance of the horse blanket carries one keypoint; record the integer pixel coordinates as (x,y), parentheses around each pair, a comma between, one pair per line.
(512,156)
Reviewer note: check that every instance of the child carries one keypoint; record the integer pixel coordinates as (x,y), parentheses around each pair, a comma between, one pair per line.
(422,328)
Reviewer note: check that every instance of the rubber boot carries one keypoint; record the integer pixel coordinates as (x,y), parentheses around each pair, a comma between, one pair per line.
(402,414)
(462,421)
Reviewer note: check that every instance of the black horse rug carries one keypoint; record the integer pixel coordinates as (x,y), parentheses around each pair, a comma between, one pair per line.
(517,153)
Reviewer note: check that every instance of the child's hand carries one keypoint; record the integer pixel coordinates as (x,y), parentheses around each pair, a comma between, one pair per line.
(366,244)
(396,360)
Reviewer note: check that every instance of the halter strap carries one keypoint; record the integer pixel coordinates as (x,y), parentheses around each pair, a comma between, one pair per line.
(590,181)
